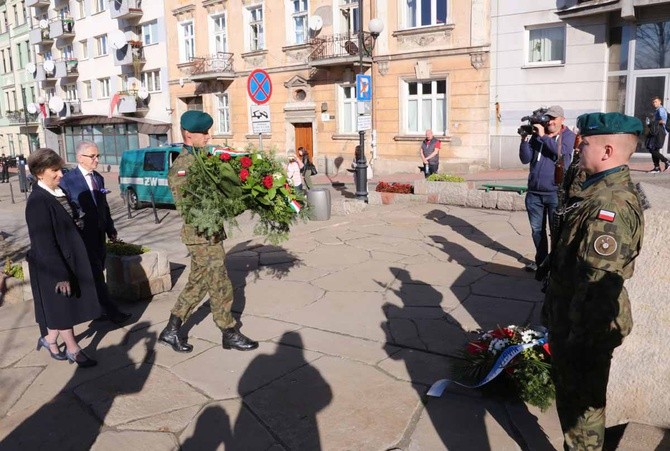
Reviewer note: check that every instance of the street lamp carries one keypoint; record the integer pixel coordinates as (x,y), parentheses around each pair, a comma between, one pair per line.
(376,26)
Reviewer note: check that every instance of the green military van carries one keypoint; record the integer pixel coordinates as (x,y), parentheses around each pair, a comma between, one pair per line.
(145,170)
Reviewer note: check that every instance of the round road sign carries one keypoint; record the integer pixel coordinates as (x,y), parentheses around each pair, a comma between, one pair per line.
(259,86)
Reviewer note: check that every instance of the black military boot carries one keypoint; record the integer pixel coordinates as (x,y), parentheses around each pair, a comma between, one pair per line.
(170,336)
(234,339)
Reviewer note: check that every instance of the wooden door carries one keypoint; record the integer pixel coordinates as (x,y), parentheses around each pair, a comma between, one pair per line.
(303,138)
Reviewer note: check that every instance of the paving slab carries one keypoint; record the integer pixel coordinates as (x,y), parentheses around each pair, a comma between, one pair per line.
(172,421)
(336,404)
(17,316)
(417,367)
(335,257)
(367,276)
(46,426)
(275,298)
(482,312)
(403,246)
(14,382)
(444,273)
(229,373)
(540,430)
(256,327)
(521,288)
(146,441)
(16,344)
(226,425)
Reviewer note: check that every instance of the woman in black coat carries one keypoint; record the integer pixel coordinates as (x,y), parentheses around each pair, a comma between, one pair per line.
(60,272)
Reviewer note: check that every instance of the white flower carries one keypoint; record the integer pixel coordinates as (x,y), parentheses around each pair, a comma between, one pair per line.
(527,336)
(276,176)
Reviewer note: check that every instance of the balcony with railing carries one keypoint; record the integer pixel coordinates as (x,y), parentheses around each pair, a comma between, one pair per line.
(40,36)
(37,3)
(61,28)
(46,71)
(131,103)
(214,67)
(340,49)
(72,107)
(67,68)
(21,117)
(125,9)
(133,53)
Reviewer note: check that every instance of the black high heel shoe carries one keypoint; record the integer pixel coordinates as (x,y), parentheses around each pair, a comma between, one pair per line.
(81,359)
(43,343)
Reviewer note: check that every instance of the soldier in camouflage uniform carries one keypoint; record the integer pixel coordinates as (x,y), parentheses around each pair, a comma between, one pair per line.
(208,271)
(586,307)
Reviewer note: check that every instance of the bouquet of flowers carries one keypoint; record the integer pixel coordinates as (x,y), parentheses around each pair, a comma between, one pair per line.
(520,354)
(223,183)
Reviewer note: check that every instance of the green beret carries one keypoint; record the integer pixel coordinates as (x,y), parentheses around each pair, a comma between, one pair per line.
(196,121)
(608,124)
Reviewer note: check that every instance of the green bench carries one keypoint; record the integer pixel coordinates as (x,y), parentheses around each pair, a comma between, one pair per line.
(492,186)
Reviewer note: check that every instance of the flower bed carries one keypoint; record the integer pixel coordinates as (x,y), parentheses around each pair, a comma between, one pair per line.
(223,184)
(397,188)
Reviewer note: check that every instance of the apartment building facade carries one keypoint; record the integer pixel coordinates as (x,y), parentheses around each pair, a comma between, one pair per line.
(101,75)
(429,69)
(18,127)
(585,55)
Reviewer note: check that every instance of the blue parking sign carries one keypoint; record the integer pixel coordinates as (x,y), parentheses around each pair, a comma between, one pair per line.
(363,88)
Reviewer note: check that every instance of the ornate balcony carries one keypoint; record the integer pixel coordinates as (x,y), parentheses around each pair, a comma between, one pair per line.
(67,68)
(215,67)
(20,117)
(40,36)
(340,50)
(37,3)
(61,28)
(125,9)
(133,53)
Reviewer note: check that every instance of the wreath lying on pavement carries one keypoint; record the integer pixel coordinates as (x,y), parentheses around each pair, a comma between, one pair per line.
(224,183)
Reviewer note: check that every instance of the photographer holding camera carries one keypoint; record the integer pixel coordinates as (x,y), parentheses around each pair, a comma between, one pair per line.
(547,145)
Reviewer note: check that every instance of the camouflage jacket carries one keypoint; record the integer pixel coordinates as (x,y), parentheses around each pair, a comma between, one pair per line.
(176,180)
(586,302)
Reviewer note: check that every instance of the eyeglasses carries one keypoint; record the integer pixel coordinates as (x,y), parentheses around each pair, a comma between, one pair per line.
(92,157)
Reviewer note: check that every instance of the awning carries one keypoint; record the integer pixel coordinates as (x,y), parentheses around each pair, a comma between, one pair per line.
(144,125)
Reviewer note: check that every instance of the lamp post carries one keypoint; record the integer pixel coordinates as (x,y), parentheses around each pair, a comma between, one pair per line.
(376,26)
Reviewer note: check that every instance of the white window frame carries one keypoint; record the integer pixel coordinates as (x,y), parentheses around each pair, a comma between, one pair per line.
(527,45)
(187,41)
(100,6)
(101,47)
(83,49)
(149,29)
(347,19)
(86,90)
(437,125)
(218,37)
(152,80)
(223,113)
(67,52)
(346,106)
(81,9)
(292,27)
(70,91)
(255,29)
(104,88)
(408,17)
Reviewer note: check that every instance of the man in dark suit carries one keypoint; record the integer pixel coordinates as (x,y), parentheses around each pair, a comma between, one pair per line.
(86,189)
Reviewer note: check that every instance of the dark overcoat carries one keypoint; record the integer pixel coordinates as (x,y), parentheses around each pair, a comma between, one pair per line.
(57,253)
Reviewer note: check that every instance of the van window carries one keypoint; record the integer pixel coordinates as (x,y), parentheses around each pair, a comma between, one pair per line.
(154,161)
(173,156)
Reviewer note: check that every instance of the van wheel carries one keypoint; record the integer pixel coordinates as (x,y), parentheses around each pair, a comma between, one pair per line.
(133,200)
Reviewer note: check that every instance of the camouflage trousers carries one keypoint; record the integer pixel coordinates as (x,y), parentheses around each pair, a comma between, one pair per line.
(208,275)
(580,376)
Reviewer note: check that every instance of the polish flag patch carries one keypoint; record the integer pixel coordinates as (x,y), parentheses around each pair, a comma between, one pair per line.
(181,173)
(606,215)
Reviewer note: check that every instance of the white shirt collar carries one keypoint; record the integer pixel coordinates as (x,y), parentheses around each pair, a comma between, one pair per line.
(84,171)
(57,192)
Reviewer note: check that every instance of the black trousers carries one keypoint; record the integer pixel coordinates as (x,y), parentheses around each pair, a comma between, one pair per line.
(657,157)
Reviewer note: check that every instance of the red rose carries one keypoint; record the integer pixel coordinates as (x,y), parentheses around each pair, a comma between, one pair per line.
(244,174)
(502,333)
(268,181)
(246,162)
(224,156)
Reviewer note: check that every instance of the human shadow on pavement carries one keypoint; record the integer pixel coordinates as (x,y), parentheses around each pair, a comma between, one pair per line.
(288,406)
(212,431)
(64,423)
(242,260)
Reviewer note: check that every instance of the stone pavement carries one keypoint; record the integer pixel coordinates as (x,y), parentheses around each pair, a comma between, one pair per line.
(356,316)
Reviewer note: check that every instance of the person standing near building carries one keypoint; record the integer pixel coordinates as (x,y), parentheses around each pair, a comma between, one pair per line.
(208,271)
(86,188)
(586,307)
(430,153)
(4,162)
(549,146)
(656,137)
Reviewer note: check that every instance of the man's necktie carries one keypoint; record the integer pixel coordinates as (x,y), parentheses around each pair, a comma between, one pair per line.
(94,186)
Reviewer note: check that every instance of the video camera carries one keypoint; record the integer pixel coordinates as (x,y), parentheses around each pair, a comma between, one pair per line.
(538,116)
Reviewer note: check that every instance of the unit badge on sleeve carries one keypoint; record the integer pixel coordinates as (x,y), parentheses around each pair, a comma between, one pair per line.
(605,245)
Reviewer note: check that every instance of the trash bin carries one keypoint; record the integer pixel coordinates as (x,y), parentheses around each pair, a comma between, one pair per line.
(319,203)
(23,180)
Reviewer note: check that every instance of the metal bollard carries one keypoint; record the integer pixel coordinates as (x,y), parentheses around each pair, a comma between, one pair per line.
(11,192)
(130,216)
(153,205)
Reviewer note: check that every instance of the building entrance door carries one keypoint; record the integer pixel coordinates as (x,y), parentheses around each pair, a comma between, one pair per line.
(303,138)
(646,87)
